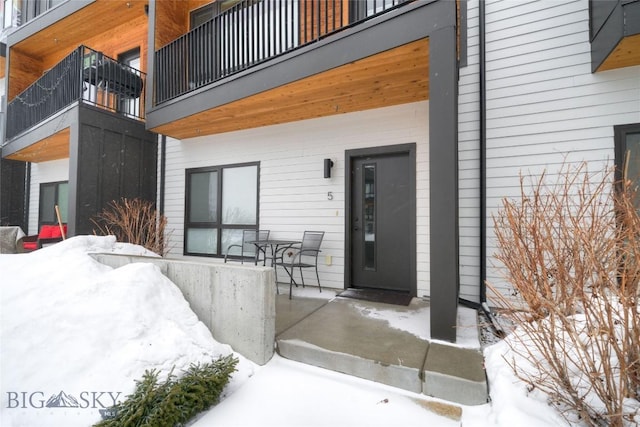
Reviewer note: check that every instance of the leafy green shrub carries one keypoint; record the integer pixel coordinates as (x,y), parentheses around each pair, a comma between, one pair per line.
(174,401)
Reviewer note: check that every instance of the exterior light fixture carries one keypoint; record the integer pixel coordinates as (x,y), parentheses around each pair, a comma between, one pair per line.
(328,164)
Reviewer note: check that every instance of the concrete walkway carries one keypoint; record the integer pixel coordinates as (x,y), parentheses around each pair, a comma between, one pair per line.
(353,337)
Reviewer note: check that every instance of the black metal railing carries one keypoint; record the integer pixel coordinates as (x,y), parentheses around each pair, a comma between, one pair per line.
(251,32)
(85,75)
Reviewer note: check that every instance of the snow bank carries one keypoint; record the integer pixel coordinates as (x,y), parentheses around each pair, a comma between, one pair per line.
(512,404)
(79,333)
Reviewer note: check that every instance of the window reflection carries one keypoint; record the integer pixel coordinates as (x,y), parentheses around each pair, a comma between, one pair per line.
(203,191)
(239,195)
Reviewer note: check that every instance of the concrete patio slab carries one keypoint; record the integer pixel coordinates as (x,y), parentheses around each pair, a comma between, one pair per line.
(340,337)
(455,374)
(291,311)
(352,337)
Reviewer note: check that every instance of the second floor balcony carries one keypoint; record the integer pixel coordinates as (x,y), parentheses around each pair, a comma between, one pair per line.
(86,76)
(251,32)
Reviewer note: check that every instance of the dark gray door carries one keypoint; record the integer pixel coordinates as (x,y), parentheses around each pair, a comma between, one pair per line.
(383,222)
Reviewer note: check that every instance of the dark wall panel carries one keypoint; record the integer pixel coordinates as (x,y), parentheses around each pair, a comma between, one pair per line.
(150,170)
(600,10)
(117,158)
(112,167)
(88,176)
(12,193)
(133,167)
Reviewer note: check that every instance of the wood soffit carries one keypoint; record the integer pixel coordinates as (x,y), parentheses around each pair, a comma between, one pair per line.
(626,54)
(72,31)
(396,76)
(54,147)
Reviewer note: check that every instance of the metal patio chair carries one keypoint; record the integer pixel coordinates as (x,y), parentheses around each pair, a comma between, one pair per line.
(305,257)
(249,250)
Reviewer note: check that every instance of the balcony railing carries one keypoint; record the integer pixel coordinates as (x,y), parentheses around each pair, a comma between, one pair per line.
(17,13)
(251,32)
(85,75)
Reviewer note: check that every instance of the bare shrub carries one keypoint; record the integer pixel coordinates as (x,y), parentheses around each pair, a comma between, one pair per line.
(134,221)
(570,249)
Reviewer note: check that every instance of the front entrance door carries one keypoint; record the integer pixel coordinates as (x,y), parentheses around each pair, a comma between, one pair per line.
(382,216)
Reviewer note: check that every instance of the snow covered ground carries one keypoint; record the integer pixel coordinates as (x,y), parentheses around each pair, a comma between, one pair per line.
(75,334)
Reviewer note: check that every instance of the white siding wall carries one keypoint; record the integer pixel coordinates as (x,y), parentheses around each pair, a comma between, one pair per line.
(543,103)
(293,192)
(54,171)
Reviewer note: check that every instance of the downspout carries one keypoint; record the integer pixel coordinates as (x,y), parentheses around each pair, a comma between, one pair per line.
(163,172)
(27,197)
(481,165)
(483,154)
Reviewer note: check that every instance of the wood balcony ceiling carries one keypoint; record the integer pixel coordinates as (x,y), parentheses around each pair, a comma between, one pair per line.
(55,147)
(72,31)
(396,76)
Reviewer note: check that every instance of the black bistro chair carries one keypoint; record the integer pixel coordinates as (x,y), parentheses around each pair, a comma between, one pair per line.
(248,250)
(305,257)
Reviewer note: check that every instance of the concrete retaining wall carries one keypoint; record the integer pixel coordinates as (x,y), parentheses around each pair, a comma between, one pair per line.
(237,303)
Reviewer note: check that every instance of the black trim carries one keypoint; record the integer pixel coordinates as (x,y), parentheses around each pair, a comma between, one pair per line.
(483,152)
(620,133)
(351,155)
(150,59)
(462,46)
(27,196)
(163,173)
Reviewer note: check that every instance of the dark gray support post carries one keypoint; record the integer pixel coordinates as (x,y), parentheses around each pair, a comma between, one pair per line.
(443,182)
(74,155)
(151,58)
